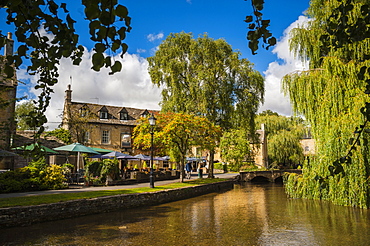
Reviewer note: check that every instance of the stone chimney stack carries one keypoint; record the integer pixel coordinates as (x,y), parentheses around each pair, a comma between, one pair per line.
(9,45)
(68,96)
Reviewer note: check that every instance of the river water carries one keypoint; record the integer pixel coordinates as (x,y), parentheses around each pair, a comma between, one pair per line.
(249,214)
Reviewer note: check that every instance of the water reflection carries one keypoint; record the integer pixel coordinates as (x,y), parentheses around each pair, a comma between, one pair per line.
(247,215)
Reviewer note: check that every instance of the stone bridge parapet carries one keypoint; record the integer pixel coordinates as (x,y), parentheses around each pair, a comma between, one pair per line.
(271,176)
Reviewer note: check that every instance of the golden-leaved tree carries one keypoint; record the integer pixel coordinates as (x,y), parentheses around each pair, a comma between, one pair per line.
(176,133)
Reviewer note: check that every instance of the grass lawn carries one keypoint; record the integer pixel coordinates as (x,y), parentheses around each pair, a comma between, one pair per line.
(53,198)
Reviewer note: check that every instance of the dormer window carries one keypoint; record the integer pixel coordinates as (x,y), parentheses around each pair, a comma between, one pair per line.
(83,112)
(145,114)
(103,113)
(123,116)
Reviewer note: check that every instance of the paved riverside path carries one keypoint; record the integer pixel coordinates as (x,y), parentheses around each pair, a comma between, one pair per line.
(114,187)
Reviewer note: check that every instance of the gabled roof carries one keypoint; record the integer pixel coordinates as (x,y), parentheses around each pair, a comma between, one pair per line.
(123,110)
(114,113)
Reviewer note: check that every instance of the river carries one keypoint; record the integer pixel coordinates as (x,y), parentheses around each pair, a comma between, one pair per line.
(249,214)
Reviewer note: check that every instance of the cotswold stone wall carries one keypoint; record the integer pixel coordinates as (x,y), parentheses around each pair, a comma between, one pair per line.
(27,215)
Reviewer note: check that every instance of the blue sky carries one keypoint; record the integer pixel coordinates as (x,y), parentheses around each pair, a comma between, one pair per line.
(152,22)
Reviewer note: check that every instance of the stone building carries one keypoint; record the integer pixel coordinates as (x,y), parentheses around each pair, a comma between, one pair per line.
(101,126)
(8,89)
(259,149)
(258,155)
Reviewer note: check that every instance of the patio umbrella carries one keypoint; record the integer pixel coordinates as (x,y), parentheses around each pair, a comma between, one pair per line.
(113,154)
(76,147)
(31,147)
(100,150)
(142,157)
(125,156)
(96,156)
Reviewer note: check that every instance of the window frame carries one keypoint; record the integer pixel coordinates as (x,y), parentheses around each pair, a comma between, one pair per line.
(105,137)
(128,145)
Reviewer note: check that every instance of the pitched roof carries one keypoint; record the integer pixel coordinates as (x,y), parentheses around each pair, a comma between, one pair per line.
(113,113)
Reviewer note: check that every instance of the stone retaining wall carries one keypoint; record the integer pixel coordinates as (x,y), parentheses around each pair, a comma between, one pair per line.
(27,215)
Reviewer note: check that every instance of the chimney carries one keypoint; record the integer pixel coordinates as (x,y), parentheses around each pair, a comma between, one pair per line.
(68,97)
(262,127)
(9,45)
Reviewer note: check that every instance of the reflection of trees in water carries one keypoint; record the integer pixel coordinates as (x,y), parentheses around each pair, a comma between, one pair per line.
(247,215)
(332,224)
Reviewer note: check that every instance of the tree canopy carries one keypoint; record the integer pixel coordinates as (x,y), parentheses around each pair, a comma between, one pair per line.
(108,24)
(22,115)
(283,139)
(235,147)
(331,96)
(206,77)
(176,133)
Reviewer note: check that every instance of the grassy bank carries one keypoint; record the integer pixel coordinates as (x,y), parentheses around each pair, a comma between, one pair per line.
(62,197)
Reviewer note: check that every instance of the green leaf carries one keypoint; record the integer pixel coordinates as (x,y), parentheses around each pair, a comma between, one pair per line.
(64,7)
(9,71)
(248,18)
(116,67)
(121,11)
(106,18)
(124,48)
(99,47)
(272,41)
(122,33)
(92,12)
(98,61)
(108,61)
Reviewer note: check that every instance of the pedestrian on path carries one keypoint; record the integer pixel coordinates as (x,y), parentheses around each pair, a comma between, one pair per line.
(188,170)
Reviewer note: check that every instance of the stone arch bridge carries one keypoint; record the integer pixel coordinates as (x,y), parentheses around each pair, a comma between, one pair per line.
(271,176)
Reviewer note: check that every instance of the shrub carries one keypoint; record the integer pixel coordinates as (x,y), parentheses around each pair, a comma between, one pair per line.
(54,178)
(110,167)
(36,176)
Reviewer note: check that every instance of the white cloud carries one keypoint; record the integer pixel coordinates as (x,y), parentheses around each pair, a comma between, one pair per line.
(140,51)
(131,87)
(274,98)
(153,37)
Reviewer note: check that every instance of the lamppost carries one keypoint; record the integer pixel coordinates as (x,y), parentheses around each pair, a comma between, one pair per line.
(152,120)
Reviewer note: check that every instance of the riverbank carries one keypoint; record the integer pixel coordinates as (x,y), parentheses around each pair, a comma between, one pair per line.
(27,215)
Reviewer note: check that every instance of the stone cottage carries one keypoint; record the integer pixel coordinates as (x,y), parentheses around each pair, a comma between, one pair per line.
(101,126)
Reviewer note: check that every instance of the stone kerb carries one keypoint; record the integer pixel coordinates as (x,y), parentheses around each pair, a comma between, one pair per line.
(27,215)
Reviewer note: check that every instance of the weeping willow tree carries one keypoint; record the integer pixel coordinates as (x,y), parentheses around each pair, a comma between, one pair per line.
(331,96)
(283,139)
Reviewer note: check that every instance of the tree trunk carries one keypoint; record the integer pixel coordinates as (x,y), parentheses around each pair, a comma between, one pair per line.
(182,171)
(210,165)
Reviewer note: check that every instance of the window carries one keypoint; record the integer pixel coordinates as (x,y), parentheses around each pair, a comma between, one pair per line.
(86,137)
(103,115)
(83,112)
(125,140)
(307,148)
(145,114)
(105,137)
(123,116)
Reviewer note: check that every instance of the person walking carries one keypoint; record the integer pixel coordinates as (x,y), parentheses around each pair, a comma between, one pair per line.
(188,170)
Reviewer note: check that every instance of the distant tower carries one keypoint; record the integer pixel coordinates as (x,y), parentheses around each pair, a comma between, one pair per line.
(66,109)
(8,90)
